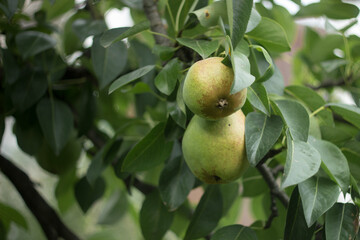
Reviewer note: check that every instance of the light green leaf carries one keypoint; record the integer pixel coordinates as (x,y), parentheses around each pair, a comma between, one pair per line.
(271,35)
(318,194)
(207,214)
(114,209)
(340,222)
(254,20)
(151,151)
(129,77)
(335,163)
(295,117)
(302,162)
(261,133)
(176,181)
(203,47)
(331,9)
(234,232)
(348,112)
(209,15)
(117,34)
(56,122)
(109,62)
(166,80)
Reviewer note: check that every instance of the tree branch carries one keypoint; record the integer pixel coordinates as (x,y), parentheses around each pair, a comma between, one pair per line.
(48,219)
(331,83)
(274,211)
(156,25)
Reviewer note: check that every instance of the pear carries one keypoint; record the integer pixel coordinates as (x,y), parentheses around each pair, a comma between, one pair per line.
(215,150)
(207,89)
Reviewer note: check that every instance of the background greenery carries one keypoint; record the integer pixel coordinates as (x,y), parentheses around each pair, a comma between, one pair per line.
(114,107)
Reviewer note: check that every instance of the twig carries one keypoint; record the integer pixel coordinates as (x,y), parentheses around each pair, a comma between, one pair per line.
(156,25)
(48,219)
(331,83)
(274,211)
(278,169)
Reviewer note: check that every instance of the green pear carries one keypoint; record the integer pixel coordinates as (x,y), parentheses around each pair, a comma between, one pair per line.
(59,164)
(207,89)
(215,150)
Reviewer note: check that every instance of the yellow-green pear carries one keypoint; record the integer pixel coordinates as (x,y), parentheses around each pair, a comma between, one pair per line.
(215,150)
(207,89)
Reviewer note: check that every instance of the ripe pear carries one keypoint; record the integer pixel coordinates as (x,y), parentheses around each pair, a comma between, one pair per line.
(215,150)
(207,89)
(59,164)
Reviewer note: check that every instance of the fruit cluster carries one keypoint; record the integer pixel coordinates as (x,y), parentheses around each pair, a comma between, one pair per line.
(214,141)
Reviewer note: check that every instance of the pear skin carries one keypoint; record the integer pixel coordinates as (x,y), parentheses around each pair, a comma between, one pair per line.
(215,150)
(207,89)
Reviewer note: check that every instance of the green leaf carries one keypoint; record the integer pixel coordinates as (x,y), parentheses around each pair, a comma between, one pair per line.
(54,9)
(275,84)
(151,151)
(29,138)
(10,66)
(209,15)
(234,232)
(164,52)
(238,12)
(10,214)
(31,43)
(177,14)
(271,35)
(166,80)
(258,97)
(312,100)
(207,214)
(352,152)
(9,7)
(295,117)
(202,47)
(86,194)
(253,183)
(117,34)
(84,28)
(302,162)
(270,70)
(50,63)
(341,222)
(129,77)
(241,67)
(56,122)
(155,219)
(296,227)
(109,62)
(176,181)
(115,208)
(318,194)
(29,88)
(254,20)
(331,9)
(261,133)
(334,161)
(348,112)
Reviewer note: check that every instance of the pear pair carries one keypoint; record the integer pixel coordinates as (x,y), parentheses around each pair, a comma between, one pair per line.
(214,141)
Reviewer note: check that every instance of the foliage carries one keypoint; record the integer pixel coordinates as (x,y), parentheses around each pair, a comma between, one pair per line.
(121,98)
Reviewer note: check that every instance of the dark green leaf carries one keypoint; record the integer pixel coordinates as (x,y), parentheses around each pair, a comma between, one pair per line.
(253,183)
(312,100)
(234,232)
(238,12)
(155,219)
(9,7)
(331,9)
(11,68)
(87,194)
(56,8)
(109,62)
(129,77)
(258,97)
(10,214)
(207,214)
(271,35)
(341,222)
(202,47)
(50,63)
(31,43)
(151,151)
(84,28)
(352,152)
(334,161)
(348,112)
(176,181)
(318,194)
(115,208)
(30,87)
(166,80)
(296,227)
(302,162)
(164,52)
(261,133)
(275,84)
(177,14)
(295,117)
(117,34)
(29,138)
(270,69)
(229,193)
(56,122)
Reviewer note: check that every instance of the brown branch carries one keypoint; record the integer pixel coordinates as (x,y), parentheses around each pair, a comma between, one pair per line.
(274,211)
(331,83)
(48,219)
(156,25)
